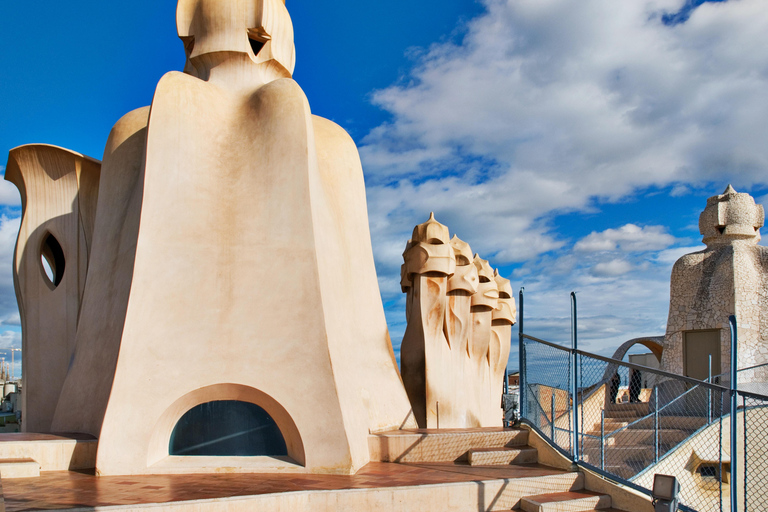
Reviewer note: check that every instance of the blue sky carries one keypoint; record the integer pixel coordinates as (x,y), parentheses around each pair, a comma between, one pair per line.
(573,144)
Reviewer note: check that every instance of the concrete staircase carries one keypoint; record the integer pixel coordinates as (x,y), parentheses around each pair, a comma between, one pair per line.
(572,501)
(489,448)
(629,451)
(503,455)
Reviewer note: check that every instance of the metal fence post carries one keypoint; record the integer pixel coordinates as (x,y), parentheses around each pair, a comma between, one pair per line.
(744,406)
(505,390)
(522,379)
(709,393)
(656,424)
(734,405)
(720,449)
(574,380)
(552,418)
(602,440)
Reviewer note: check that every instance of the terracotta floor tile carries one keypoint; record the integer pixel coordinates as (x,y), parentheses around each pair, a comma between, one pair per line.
(78,489)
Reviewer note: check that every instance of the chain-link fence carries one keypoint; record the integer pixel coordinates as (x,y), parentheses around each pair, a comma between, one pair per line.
(633,422)
(545,401)
(752,442)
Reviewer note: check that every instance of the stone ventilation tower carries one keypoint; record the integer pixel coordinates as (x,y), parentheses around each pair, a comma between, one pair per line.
(219,256)
(460,314)
(728,277)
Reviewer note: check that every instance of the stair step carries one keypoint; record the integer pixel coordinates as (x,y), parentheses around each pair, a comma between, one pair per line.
(646,435)
(611,424)
(19,468)
(619,452)
(447,445)
(671,422)
(499,456)
(626,410)
(573,501)
(518,489)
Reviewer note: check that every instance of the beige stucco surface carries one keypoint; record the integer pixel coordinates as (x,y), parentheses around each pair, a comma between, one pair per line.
(59,191)
(52,453)
(231,260)
(110,273)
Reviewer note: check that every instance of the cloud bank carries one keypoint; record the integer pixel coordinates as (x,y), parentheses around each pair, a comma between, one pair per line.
(545,107)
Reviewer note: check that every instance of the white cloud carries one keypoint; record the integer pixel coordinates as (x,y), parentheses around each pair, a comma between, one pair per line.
(9,194)
(550,106)
(611,268)
(612,309)
(10,339)
(670,256)
(9,230)
(629,238)
(578,91)
(11,319)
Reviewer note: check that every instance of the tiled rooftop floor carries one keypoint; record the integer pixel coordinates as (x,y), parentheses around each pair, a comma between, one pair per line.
(61,490)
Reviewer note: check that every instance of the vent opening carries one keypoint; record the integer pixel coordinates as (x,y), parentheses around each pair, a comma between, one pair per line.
(227,428)
(52,260)
(258,37)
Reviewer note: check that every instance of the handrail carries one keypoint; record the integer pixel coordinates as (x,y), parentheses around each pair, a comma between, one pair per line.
(747,368)
(738,371)
(591,362)
(634,366)
(749,394)
(654,371)
(551,344)
(659,411)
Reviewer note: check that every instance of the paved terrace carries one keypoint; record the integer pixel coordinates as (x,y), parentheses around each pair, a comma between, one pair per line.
(71,489)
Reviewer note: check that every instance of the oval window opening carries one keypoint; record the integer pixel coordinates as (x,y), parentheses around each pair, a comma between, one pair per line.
(52,259)
(227,428)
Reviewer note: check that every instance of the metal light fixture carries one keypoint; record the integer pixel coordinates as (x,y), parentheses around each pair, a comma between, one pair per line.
(666,489)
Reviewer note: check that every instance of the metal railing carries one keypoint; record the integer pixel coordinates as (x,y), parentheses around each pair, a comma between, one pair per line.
(679,425)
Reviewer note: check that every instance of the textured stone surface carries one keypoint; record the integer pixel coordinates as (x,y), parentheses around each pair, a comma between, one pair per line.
(729,277)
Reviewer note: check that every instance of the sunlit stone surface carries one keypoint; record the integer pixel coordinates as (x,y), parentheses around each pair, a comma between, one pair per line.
(220,253)
(729,277)
(455,349)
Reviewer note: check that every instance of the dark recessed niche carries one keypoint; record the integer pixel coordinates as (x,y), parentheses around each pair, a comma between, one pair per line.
(52,260)
(256,46)
(711,472)
(258,37)
(227,428)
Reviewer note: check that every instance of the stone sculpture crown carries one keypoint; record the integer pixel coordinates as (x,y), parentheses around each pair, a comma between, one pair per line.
(731,216)
(259,29)
(431,232)
(462,251)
